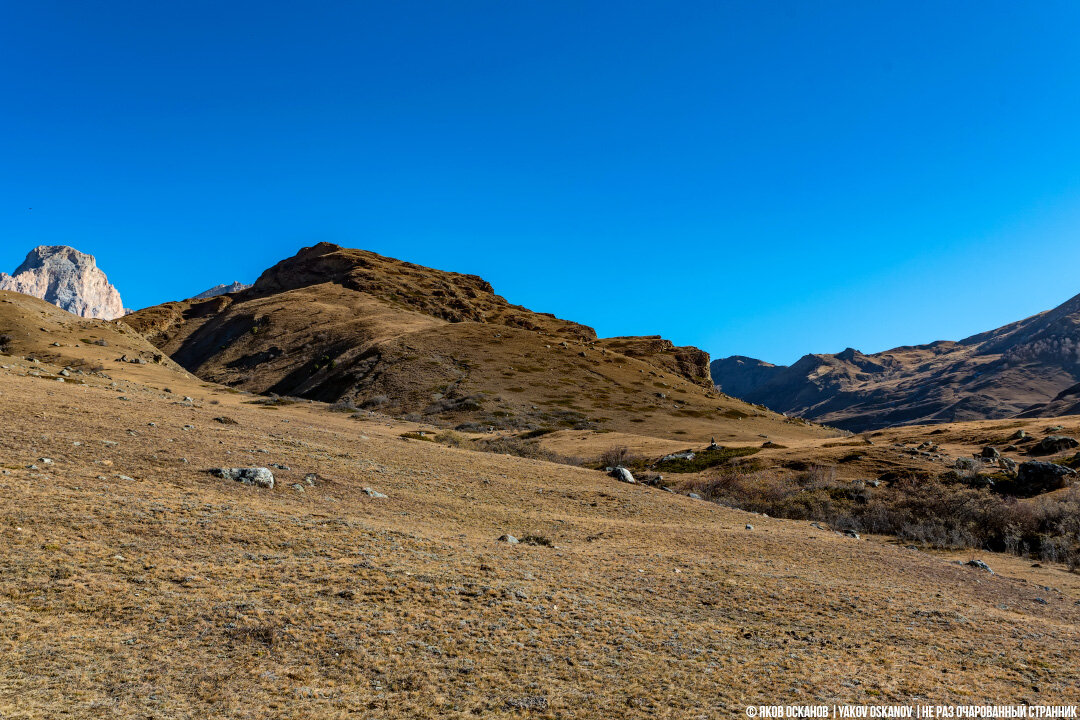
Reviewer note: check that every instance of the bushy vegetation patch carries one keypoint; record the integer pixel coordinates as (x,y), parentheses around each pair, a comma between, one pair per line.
(941,512)
(705,459)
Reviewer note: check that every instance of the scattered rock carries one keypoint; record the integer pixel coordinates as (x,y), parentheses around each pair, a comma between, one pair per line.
(1054,444)
(509,539)
(372,493)
(1008,465)
(851,534)
(279,466)
(310,478)
(528,702)
(260,476)
(693,496)
(990,453)
(1020,435)
(225,420)
(980,565)
(1037,476)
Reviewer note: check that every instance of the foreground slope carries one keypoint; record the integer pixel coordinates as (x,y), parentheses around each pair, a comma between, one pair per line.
(335,324)
(134,584)
(1017,369)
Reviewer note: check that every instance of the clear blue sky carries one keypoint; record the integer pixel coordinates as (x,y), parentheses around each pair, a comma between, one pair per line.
(758,178)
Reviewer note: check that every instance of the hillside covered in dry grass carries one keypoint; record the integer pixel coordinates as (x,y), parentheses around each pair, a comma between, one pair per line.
(134,583)
(348,326)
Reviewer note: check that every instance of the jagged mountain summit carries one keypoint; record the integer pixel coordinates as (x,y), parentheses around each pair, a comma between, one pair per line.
(68,279)
(350,326)
(233,287)
(1029,368)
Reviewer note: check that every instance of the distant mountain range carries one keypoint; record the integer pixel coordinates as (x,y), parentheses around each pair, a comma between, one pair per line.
(1029,368)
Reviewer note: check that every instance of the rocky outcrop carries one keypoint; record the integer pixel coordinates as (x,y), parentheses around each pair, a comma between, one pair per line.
(233,287)
(68,279)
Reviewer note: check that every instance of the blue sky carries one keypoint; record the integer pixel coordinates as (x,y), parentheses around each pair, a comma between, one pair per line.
(758,178)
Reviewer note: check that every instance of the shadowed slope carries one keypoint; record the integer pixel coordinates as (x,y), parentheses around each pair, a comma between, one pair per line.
(336,324)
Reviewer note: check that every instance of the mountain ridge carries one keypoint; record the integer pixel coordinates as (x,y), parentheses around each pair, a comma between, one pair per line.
(1015,370)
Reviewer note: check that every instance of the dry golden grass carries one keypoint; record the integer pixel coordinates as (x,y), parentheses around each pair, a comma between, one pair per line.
(134,584)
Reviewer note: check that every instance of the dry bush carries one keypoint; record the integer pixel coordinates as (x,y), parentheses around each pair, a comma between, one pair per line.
(451,438)
(614,456)
(919,510)
(522,448)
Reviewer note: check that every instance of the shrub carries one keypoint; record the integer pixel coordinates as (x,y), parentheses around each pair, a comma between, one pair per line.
(449,437)
(614,456)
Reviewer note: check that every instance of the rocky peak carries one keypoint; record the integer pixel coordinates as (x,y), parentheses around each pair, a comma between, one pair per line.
(233,287)
(68,279)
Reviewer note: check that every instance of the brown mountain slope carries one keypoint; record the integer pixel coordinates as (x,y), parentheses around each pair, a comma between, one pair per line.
(1017,369)
(337,324)
(40,331)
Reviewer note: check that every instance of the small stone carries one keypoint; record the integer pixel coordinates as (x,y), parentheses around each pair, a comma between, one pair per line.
(693,496)
(980,565)
(509,539)
(749,526)
(372,493)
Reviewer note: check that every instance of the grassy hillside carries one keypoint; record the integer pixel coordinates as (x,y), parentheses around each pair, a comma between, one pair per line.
(136,584)
(349,326)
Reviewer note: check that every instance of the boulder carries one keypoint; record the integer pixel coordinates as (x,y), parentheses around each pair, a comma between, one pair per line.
(1036,477)
(623,475)
(1054,444)
(510,539)
(259,476)
(990,453)
(979,564)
